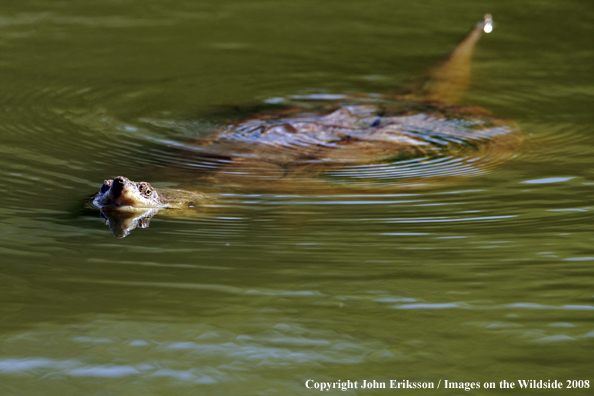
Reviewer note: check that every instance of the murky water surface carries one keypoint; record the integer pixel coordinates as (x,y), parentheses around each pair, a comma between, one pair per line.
(479,279)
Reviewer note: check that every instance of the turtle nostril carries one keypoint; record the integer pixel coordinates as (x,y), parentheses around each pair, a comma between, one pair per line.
(117,187)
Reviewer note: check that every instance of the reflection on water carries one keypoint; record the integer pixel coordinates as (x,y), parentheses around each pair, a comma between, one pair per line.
(271,289)
(121,223)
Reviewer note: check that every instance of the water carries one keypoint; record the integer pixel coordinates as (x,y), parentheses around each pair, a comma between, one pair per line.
(481,279)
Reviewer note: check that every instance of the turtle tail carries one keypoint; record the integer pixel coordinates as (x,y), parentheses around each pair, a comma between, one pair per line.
(447,81)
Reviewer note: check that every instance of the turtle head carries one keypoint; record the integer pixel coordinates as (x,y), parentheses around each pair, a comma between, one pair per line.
(123,194)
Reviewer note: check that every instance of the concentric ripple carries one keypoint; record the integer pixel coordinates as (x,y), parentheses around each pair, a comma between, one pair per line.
(369,140)
(315,140)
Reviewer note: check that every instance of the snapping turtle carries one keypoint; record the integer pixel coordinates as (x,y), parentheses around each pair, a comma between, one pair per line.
(330,137)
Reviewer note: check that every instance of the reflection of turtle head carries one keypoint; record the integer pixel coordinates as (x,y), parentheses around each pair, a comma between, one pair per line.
(122,222)
(124,194)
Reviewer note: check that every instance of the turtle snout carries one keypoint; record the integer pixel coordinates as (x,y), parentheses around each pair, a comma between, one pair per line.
(119,192)
(117,187)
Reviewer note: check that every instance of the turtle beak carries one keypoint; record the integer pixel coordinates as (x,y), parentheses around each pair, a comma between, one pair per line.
(122,191)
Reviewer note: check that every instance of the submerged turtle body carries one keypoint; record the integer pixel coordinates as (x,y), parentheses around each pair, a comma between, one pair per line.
(307,141)
(329,139)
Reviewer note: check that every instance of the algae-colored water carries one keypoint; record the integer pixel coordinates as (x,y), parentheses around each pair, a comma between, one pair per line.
(482,279)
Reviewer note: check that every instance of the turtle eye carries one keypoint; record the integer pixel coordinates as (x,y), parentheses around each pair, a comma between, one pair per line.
(148,192)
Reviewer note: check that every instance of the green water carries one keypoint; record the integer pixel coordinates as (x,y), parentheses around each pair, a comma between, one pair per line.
(483,279)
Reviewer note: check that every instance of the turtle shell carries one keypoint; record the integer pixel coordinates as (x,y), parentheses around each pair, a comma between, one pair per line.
(355,140)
